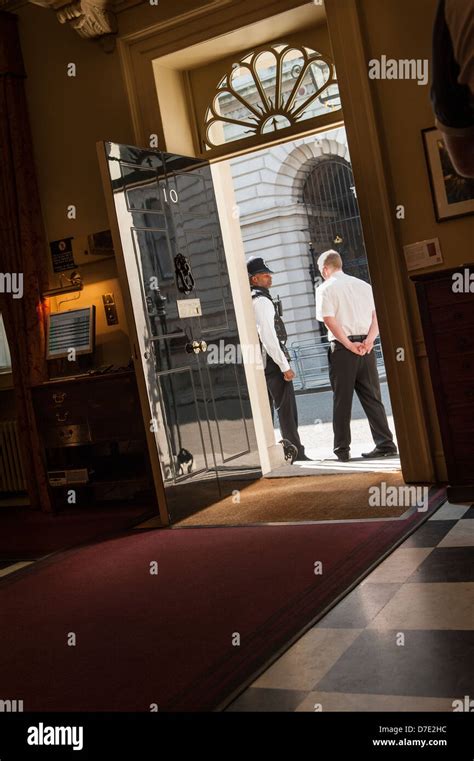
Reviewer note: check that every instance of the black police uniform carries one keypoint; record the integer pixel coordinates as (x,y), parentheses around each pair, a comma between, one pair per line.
(281,392)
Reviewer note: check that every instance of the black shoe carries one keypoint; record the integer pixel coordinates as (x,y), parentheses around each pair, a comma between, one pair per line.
(376,453)
(343,456)
(291,452)
(303,458)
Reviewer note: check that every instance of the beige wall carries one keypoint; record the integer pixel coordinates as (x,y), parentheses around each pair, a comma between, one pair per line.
(402,30)
(399,30)
(68,115)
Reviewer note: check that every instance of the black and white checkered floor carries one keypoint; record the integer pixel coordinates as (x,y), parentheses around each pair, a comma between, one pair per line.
(402,640)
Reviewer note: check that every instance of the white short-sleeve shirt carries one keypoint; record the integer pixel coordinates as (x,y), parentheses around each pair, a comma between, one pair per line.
(348,299)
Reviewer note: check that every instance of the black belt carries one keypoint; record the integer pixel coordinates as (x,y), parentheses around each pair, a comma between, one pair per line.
(353,338)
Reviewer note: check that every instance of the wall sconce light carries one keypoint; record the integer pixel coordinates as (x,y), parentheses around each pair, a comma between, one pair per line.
(68,284)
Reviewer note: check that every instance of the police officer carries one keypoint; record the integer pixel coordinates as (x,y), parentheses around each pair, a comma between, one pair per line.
(278,374)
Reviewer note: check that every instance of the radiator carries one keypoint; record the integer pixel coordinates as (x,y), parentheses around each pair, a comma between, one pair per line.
(11,471)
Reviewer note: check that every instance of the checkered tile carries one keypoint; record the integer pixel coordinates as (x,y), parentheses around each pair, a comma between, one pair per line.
(402,640)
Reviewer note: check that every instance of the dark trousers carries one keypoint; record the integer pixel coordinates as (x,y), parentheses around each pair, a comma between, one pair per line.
(349,372)
(282,397)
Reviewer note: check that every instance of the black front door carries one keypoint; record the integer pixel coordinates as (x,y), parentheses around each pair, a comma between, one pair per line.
(185,322)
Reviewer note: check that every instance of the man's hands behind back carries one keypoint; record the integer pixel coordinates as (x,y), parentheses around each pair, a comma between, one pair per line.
(359,348)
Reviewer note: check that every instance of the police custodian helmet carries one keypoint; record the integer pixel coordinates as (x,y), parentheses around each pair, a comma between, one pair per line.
(256,266)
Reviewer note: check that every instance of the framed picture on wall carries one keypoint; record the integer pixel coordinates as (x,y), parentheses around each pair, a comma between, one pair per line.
(453,195)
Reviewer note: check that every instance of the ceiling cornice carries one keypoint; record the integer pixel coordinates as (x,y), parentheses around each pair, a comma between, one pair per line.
(91,19)
(118,6)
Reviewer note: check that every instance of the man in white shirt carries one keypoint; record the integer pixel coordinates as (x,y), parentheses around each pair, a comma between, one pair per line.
(278,373)
(346,306)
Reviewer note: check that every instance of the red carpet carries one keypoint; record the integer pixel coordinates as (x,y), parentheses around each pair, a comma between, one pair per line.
(27,534)
(167,638)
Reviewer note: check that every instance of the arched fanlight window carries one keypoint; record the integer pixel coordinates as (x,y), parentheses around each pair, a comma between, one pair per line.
(271,89)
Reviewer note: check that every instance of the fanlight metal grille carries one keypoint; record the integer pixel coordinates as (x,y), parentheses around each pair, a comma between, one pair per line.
(269,90)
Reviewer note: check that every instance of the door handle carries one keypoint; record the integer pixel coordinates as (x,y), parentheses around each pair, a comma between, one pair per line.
(196,347)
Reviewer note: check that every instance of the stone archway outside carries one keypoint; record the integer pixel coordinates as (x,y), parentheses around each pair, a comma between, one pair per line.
(273,219)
